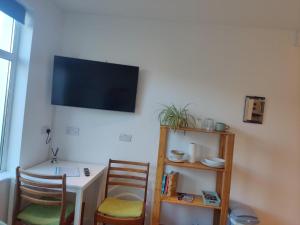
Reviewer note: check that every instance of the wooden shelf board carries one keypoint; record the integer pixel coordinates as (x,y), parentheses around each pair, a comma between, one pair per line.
(201,130)
(196,165)
(197,202)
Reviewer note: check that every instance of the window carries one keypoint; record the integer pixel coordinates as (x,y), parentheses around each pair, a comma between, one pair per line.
(9,30)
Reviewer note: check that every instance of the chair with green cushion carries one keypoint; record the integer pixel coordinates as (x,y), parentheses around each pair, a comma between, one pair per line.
(118,211)
(47,198)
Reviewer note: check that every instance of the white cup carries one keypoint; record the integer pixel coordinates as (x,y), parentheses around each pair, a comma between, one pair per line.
(192,152)
(209,124)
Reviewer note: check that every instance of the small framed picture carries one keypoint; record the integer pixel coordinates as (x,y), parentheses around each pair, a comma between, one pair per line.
(254,109)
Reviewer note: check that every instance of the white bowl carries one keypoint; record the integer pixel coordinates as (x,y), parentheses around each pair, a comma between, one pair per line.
(215,161)
(218,160)
(179,155)
(211,163)
(173,159)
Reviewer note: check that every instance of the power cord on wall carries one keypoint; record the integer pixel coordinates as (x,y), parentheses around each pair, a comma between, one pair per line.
(48,139)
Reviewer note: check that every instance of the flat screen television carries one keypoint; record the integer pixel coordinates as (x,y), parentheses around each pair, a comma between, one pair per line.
(92,84)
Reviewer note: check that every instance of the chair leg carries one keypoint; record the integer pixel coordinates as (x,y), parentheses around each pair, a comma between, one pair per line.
(17,222)
(95,219)
(82,213)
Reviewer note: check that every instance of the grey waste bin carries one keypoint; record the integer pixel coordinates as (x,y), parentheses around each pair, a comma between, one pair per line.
(240,214)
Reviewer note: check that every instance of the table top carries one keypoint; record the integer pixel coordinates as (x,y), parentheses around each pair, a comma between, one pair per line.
(73,183)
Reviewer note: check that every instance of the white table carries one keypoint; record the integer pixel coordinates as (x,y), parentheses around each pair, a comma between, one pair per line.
(74,184)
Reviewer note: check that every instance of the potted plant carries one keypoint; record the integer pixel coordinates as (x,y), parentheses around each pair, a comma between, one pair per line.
(176,117)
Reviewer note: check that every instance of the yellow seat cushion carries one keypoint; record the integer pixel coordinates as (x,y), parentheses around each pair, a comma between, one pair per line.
(121,208)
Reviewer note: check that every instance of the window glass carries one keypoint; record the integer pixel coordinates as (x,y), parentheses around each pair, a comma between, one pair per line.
(6,32)
(7,62)
(4,78)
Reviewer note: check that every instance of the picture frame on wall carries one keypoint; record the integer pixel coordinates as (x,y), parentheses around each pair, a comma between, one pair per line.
(254,109)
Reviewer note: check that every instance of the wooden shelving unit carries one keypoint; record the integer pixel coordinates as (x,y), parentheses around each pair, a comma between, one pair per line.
(197,202)
(196,165)
(223,179)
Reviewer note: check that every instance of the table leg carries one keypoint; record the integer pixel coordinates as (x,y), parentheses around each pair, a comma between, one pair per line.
(78,207)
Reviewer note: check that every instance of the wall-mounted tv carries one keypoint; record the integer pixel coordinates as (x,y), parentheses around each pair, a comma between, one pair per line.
(92,84)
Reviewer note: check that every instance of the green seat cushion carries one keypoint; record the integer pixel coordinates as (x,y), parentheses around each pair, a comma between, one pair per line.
(121,208)
(2,223)
(43,215)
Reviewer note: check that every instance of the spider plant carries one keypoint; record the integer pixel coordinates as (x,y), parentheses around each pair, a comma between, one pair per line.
(176,117)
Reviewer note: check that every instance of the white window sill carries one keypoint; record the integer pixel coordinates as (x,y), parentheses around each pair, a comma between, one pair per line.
(5,175)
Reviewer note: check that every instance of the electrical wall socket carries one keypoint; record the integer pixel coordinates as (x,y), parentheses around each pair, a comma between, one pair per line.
(73,131)
(44,129)
(297,39)
(125,137)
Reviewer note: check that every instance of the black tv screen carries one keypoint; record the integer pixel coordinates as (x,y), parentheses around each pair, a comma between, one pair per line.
(92,84)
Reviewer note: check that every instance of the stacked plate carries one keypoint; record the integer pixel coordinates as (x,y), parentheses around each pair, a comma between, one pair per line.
(178,156)
(214,162)
(174,159)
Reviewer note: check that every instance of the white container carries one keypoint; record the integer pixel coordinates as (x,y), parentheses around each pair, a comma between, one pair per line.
(192,152)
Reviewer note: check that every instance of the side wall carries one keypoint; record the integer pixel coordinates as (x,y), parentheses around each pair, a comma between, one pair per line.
(38,112)
(213,68)
(4,198)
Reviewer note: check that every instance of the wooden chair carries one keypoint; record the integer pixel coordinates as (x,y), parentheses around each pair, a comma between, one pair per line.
(124,212)
(46,196)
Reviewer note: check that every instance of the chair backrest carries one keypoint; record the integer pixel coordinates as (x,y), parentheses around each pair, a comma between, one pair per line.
(128,174)
(40,189)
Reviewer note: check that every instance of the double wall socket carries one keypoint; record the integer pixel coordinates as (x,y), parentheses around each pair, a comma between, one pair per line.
(44,129)
(73,131)
(125,137)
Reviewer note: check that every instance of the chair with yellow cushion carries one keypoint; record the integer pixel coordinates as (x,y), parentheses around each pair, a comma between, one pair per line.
(118,211)
(47,198)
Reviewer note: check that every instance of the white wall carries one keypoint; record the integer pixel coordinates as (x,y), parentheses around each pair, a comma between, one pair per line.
(4,197)
(213,68)
(38,112)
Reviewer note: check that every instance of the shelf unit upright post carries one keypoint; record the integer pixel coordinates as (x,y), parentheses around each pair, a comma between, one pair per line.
(223,178)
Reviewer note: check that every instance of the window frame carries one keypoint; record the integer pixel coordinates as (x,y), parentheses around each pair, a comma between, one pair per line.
(13,58)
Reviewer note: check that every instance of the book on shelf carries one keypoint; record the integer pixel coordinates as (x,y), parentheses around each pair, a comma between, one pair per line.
(169,184)
(172,185)
(163,183)
(185,197)
(211,198)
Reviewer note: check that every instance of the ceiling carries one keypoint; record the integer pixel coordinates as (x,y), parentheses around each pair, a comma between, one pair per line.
(282,14)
